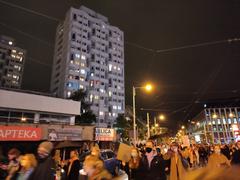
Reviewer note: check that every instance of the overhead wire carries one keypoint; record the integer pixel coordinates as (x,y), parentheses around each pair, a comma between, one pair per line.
(30,11)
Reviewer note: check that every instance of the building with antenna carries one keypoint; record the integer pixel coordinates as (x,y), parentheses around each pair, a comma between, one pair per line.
(12,59)
(89,55)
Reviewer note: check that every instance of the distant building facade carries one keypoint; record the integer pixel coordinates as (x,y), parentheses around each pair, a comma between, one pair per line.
(12,59)
(216,125)
(89,55)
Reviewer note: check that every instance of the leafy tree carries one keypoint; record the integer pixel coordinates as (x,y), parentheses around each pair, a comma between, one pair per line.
(87,116)
(123,126)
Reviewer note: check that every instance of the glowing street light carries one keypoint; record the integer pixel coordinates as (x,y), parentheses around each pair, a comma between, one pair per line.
(162,117)
(148,87)
(198,123)
(183,127)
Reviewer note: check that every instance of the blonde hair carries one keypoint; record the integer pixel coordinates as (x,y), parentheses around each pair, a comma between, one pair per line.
(32,162)
(94,162)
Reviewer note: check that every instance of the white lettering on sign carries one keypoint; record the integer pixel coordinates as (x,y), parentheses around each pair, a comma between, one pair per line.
(26,134)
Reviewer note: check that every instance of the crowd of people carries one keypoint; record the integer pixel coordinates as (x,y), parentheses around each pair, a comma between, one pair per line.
(147,162)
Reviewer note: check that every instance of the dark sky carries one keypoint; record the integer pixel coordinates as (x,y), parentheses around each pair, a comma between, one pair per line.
(183,77)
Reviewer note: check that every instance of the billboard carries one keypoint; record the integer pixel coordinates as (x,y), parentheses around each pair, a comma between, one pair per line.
(105,134)
(67,133)
(20,133)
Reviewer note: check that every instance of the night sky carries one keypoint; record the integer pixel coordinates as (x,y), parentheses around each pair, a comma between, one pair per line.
(185,78)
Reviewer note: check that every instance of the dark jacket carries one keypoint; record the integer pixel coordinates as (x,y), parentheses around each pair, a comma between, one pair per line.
(45,170)
(236,158)
(156,171)
(74,171)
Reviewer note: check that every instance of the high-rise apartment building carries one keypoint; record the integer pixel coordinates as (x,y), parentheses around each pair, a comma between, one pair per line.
(89,55)
(12,60)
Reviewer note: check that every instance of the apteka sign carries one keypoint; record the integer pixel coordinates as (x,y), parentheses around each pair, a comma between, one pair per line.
(18,133)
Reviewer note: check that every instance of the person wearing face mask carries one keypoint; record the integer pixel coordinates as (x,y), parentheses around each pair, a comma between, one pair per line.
(177,169)
(131,167)
(45,169)
(151,165)
(217,159)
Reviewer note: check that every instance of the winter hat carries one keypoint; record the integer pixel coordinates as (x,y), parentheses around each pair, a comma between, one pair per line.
(46,146)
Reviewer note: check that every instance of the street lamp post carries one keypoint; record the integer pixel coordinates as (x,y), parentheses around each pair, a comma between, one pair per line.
(148,87)
(148,126)
(134,116)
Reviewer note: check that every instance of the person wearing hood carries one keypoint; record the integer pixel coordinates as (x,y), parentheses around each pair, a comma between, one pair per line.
(217,159)
(94,168)
(151,166)
(45,169)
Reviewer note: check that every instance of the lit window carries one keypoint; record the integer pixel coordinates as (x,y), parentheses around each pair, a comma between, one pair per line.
(224,121)
(77,62)
(83,57)
(71,61)
(69,84)
(81,86)
(92,74)
(110,93)
(91,83)
(109,114)
(69,93)
(82,64)
(114,107)
(114,114)
(229,121)
(103,26)
(115,67)
(213,122)
(10,42)
(83,71)
(101,113)
(77,55)
(14,51)
(119,68)
(91,97)
(102,91)
(219,122)
(119,108)
(81,79)
(110,67)
(96,97)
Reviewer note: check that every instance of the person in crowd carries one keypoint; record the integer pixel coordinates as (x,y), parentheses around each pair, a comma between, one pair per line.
(194,156)
(13,165)
(131,167)
(45,169)
(226,151)
(203,156)
(217,159)
(28,162)
(236,155)
(151,165)
(94,169)
(178,162)
(73,167)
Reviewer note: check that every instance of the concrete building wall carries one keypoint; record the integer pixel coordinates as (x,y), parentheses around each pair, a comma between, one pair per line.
(89,55)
